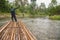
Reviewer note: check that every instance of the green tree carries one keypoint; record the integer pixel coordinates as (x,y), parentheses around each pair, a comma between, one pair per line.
(42,7)
(32,7)
(52,7)
(4,6)
(33,0)
(54,2)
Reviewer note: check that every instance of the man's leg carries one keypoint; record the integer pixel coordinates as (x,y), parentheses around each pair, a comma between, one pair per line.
(12,17)
(15,18)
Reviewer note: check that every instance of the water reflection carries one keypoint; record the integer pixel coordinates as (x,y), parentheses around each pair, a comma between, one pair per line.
(43,29)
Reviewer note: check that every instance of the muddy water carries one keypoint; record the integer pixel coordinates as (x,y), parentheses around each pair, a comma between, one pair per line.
(3,21)
(42,28)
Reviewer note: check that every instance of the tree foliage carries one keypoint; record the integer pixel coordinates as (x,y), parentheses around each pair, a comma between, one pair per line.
(54,10)
(4,6)
(25,7)
(42,7)
(54,2)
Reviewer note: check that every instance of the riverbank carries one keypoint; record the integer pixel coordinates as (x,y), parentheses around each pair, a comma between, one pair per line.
(20,15)
(55,17)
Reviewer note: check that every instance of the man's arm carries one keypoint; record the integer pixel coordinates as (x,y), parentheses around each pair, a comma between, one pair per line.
(17,7)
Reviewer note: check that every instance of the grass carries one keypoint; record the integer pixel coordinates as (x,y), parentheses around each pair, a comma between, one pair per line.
(55,17)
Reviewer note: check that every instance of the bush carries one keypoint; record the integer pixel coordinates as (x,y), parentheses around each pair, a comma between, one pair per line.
(55,17)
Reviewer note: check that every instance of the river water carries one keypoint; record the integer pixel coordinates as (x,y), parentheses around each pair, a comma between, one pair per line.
(42,28)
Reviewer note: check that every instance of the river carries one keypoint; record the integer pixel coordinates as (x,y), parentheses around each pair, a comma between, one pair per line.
(42,28)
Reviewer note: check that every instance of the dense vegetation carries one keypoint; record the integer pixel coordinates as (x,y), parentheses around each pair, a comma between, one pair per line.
(4,6)
(31,9)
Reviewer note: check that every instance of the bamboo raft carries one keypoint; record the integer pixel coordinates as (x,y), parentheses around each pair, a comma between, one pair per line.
(15,31)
